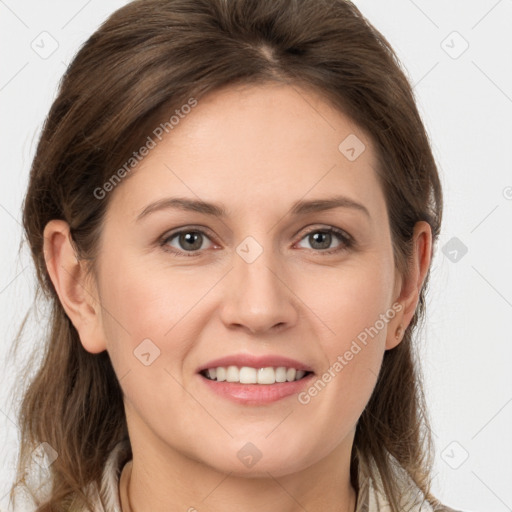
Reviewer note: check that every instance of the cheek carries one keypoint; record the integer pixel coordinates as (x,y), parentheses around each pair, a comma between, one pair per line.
(354,308)
(350,300)
(144,301)
(146,319)
(142,314)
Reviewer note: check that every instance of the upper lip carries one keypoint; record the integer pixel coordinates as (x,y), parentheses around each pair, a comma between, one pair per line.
(255,362)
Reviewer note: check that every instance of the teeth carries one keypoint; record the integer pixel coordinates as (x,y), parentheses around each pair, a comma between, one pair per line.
(266,376)
(232,374)
(248,375)
(280,374)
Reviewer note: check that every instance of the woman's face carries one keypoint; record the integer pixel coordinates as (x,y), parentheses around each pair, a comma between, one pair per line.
(264,280)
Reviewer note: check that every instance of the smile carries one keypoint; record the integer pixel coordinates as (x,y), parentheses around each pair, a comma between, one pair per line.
(249,375)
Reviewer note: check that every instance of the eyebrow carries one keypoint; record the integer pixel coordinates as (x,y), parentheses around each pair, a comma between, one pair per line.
(300,207)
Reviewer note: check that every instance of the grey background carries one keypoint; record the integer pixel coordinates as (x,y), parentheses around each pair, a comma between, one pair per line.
(465,98)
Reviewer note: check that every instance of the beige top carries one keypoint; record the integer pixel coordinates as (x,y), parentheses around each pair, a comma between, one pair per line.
(370,497)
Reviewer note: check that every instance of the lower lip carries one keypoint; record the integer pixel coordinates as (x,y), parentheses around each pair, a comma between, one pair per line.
(257,394)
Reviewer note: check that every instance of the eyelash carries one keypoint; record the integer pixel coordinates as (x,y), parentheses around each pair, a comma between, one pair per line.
(346,240)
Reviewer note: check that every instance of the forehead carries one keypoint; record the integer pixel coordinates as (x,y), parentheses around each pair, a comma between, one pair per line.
(257,147)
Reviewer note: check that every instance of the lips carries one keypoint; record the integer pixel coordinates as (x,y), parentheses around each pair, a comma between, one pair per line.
(277,377)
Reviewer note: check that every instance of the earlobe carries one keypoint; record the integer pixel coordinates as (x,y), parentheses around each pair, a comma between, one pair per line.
(68,275)
(395,336)
(411,285)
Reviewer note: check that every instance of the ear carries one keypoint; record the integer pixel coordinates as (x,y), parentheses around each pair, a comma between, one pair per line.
(78,296)
(409,287)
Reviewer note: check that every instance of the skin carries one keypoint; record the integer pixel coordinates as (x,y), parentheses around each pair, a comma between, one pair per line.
(257,150)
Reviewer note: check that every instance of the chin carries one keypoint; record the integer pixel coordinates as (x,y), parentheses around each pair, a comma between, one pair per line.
(259,459)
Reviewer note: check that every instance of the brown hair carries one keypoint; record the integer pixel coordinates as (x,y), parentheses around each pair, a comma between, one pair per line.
(149,58)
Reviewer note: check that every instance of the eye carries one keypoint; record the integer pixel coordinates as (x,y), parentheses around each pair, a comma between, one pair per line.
(321,239)
(189,241)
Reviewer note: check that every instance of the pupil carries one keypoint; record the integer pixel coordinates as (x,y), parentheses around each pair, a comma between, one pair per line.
(326,243)
(190,239)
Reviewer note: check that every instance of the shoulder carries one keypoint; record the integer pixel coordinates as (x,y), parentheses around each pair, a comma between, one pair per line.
(373,498)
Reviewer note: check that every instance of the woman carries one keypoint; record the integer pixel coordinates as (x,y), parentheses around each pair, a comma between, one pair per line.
(232,210)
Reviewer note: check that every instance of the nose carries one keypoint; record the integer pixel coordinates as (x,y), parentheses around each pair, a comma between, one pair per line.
(258,298)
